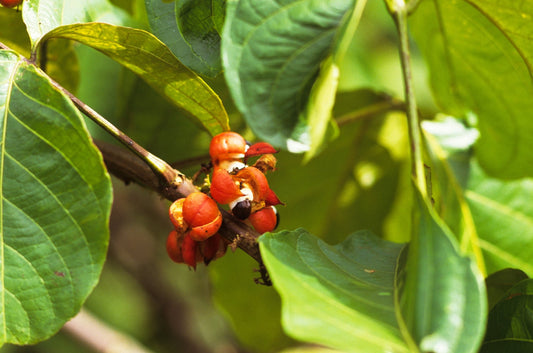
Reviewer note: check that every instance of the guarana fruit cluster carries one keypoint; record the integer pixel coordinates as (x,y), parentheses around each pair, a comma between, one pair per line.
(242,187)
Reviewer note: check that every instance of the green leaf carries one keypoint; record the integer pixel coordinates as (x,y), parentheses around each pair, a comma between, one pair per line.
(507,345)
(42,16)
(146,56)
(191,29)
(480,57)
(441,292)
(503,215)
(55,200)
(196,23)
(320,106)
(510,325)
(340,296)
(499,283)
(271,55)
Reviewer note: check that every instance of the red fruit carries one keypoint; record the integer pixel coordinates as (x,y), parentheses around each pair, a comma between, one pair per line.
(175,212)
(199,209)
(254,179)
(264,220)
(188,251)
(213,248)
(202,215)
(174,242)
(10,3)
(226,146)
(272,199)
(223,187)
(201,233)
(259,148)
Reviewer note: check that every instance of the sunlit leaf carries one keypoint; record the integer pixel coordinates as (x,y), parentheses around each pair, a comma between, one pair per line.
(340,296)
(146,56)
(271,53)
(503,214)
(55,200)
(441,292)
(480,57)
(320,105)
(446,193)
(42,16)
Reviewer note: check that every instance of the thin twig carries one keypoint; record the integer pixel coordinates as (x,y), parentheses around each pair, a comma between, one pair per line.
(371,110)
(101,338)
(398,10)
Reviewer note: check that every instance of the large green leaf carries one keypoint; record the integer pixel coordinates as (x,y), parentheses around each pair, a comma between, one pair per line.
(441,292)
(510,325)
(42,16)
(55,201)
(480,56)
(190,28)
(145,55)
(340,296)
(503,215)
(271,53)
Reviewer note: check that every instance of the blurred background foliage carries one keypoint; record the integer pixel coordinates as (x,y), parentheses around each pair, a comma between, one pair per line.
(360,181)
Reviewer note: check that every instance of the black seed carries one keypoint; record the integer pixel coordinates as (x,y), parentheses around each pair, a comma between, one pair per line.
(242,209)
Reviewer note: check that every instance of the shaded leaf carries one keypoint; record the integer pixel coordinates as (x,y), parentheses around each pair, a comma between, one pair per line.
(480,56)
(54,208)
(510,324)
(191,29)
(62,63)
(13,32)
(271,53)
(146,56)
(441,293)
(499,283)
(196,23)
(340,296)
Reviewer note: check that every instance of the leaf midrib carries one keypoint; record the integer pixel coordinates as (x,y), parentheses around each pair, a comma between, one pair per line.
(2,162)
